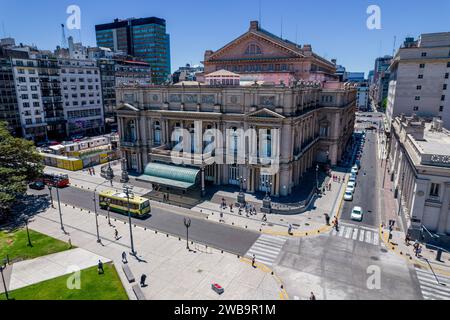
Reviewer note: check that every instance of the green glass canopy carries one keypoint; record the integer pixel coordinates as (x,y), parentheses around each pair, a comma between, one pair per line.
(170,176)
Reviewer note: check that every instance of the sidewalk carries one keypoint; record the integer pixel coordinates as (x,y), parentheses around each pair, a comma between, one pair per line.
(29,272)
(172,271)
(426,259)
(310,222)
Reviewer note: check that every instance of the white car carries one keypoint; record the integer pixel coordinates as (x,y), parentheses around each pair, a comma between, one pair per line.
(357,214)
(355,169)
(351,186)
(348,196)
(352,179)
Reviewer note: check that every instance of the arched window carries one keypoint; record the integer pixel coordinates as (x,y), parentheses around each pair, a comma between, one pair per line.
(253,49)
(157,133)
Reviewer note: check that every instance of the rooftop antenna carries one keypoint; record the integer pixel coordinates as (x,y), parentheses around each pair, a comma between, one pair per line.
(395,42)
(260,17)
(281,36)
(4,30)
(63,36)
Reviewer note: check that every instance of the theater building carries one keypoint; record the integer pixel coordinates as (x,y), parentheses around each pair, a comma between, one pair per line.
(303,120)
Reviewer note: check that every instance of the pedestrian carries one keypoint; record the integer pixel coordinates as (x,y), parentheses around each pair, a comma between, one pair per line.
(407,239)
(221,217)
(264,218)
(124,257)
(240,211)
(231,207)
(327,219)
(253,261)
(312,297)
(70,243)
(93,171)
(290,229)
(116,234)
(90,172)
(143,278)
(100,267)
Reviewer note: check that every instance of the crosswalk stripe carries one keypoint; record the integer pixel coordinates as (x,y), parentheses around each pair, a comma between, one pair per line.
(368,237)
(349,233)
(431,278)
(376,239)
(266,249)
(358,233)
(429,286)
(361,235)
(355,234)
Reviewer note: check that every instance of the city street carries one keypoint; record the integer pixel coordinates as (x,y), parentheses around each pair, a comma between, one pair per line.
(219,236)
(366,193)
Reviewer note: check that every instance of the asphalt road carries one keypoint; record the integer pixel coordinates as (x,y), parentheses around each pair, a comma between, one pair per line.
(216,235)
(366,193)
(341,269)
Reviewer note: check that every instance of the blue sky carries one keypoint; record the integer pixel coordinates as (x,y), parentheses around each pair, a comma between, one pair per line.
(334,28)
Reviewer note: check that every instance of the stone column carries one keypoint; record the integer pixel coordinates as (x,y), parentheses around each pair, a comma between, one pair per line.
(203,181)
(443,215)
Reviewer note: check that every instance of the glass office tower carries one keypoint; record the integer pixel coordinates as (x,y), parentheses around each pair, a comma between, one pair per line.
(144,38)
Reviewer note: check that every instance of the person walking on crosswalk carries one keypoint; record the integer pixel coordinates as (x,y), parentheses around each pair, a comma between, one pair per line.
(253,261)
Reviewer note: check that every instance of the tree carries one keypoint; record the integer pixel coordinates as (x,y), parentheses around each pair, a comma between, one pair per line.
(20,163)
(384,105)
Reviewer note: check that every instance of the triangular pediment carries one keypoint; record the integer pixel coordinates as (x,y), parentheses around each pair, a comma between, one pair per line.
(265,113)
(127,107)
(269,47)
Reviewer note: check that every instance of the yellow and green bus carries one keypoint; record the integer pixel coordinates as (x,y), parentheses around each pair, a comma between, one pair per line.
(118,202)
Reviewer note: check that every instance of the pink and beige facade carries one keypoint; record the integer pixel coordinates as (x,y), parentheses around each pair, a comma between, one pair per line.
(259,54)
(303,122)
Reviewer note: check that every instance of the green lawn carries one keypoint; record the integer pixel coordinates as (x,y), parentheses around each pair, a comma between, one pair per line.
(93,287)
(15,244)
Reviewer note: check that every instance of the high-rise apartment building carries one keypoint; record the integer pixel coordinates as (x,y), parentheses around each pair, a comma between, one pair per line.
(419,81)
(9,109)
(82,96)
(144,38)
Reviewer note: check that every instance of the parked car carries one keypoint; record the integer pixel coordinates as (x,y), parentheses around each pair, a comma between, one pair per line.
(355,169)
(351,186)
(348,196)
(357,214)
(352,179)
(37,185)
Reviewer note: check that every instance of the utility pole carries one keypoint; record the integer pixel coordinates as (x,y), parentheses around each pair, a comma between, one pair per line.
(128,190)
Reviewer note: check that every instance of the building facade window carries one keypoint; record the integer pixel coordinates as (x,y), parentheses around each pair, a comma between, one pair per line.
(420,76)
(434,190)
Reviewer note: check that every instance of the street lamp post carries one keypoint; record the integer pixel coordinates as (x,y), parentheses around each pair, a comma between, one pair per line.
(187,224)
(25,219)
(96,215)
(2,267)
(51,196)
(109,210)
(128,190)
(59,206)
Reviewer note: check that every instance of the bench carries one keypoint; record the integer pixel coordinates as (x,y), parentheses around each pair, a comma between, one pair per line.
(128,273)
(138,292)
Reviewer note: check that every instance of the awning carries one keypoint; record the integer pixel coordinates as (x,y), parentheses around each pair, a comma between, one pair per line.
(170,176)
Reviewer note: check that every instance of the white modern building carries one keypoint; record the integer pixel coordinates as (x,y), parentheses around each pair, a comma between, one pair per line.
(363,96)
(29,99)
(82,96)
(420,169)
(419,78)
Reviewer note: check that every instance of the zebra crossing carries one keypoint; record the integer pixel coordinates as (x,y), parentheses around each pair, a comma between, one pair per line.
(267,249)
(430,288)
(355,233)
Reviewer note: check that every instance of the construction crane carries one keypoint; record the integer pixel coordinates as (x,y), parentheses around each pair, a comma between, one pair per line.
(63,39)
